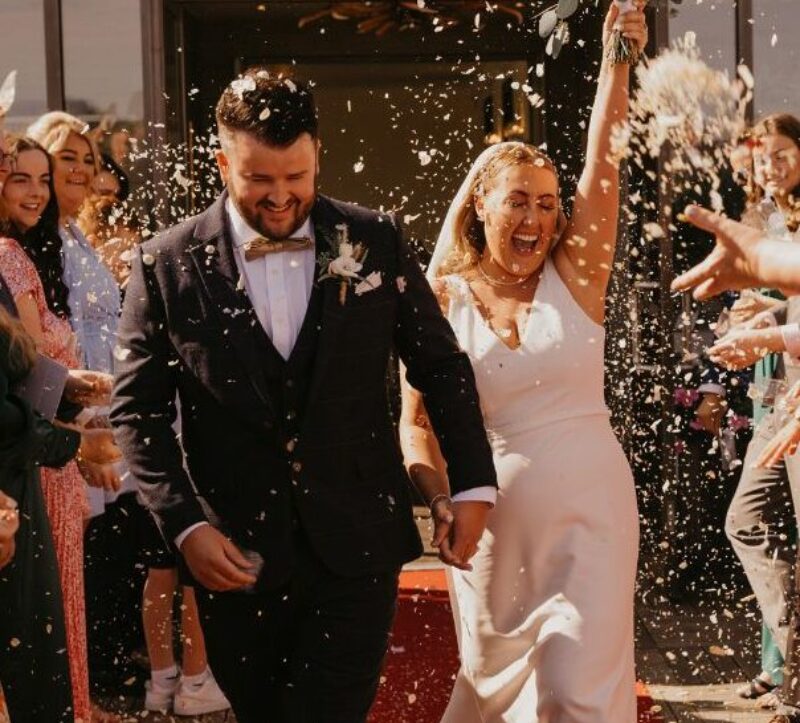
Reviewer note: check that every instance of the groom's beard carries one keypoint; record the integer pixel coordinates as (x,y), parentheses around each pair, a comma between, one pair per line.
(276,229)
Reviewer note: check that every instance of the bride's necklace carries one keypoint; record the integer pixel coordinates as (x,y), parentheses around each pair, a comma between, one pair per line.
(492,281)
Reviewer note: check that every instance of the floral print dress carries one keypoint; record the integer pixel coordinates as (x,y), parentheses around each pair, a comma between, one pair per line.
(64,489)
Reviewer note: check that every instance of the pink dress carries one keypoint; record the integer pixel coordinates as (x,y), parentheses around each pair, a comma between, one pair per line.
(64,489)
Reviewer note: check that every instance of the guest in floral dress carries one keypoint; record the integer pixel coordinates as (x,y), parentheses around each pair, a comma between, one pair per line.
(32,265)
(27,197)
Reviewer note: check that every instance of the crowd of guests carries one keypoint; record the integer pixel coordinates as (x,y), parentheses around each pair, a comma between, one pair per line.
(762,330)
(74,539)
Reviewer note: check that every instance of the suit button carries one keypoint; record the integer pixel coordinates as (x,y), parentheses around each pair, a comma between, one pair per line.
(290,415)
(296,466)
(290,383)
(290,445)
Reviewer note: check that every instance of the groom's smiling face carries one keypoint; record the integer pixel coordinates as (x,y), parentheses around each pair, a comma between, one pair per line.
(273,187)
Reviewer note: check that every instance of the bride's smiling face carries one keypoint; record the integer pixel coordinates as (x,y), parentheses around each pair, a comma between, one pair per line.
(519,210)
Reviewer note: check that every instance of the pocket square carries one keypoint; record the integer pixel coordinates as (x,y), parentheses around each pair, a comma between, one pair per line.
(370,283)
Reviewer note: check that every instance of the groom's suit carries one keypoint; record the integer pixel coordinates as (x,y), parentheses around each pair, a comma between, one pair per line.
(298,457)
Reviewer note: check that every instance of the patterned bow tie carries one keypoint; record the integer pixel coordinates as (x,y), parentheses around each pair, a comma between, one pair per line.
(259,246)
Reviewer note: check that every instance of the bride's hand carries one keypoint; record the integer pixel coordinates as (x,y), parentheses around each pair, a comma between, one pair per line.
(468,521)
(632,25)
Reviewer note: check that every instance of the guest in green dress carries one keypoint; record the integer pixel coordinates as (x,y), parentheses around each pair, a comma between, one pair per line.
(33,663)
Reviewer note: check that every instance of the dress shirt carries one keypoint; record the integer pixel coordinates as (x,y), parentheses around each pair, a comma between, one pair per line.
(278,284)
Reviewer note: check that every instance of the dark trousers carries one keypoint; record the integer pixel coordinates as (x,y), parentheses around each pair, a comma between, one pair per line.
(34,668)
(309,651)
(113,580)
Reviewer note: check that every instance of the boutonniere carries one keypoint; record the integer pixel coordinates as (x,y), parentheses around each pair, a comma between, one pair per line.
(347,266)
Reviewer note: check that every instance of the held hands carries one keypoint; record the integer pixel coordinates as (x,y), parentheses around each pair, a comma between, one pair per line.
(215,562)
(457,529)
(741,349)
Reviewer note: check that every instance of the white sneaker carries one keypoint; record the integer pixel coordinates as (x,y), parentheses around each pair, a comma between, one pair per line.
(207,698)
(158,699)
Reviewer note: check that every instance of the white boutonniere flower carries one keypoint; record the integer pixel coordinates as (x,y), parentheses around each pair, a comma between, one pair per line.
(348,264)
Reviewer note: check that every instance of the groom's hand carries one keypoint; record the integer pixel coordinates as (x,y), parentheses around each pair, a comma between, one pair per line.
(214,561)
(466,530)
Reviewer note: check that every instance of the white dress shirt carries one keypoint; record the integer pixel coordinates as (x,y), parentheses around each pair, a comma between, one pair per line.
(279,287)
(278,284)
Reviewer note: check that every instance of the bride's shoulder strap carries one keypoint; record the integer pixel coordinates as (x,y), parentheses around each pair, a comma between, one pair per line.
(449,290)
(441,289)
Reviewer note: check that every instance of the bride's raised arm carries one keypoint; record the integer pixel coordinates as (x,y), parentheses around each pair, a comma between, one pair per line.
(591,234)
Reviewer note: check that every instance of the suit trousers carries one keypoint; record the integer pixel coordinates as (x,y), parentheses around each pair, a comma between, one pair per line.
(309,651)
(760,526)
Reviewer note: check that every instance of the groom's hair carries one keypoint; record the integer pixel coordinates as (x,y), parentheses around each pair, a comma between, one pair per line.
(269,106)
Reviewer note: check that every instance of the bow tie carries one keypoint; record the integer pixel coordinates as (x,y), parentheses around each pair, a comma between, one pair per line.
(259,246)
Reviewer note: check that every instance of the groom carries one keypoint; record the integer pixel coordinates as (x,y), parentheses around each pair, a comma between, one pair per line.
(278,359)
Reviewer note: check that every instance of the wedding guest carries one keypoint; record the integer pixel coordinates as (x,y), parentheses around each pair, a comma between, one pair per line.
(111,564)
(30,262)
(761,512)
(743,258)
(94,298)
(107,222)
(768,491)
(33,668)
(712,408)
(544,615)
(190,689)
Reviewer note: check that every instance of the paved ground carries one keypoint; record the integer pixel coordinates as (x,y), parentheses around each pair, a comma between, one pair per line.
(691,656)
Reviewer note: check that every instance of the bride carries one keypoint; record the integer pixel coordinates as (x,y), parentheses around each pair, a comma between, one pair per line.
(544,609)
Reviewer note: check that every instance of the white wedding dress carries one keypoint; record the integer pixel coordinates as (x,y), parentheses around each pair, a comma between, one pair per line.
(545,620)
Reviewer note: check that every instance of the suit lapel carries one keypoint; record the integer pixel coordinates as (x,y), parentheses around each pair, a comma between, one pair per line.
(213,256)
(325,218)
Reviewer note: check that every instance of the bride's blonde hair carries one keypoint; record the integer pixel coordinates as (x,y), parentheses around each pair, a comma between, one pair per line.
(469,238)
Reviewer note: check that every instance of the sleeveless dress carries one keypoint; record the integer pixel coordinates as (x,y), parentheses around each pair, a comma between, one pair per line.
(545,619)
(64,489)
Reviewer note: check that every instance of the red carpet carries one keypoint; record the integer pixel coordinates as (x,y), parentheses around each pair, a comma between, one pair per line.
(423,657)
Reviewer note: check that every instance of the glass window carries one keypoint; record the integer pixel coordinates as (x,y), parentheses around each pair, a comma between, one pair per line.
(22,48)
(103,77)
(714,24)
(104,80)
(103,58)
(776,55)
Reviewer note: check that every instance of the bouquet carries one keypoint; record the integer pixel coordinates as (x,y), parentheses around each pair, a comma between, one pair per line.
(620,49)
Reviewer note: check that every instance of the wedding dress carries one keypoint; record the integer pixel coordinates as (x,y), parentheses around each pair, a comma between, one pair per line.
(545,619)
